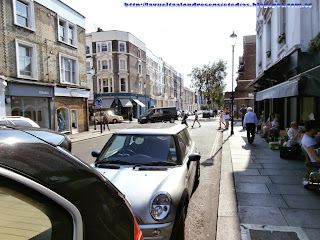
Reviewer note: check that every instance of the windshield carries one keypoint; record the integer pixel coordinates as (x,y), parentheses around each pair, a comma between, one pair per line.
(140,149)
(111,113)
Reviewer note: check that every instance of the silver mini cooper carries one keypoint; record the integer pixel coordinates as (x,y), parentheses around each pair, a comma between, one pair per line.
(157,167)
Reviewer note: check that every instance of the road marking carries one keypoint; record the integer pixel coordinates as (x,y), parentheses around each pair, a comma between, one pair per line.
(215,145)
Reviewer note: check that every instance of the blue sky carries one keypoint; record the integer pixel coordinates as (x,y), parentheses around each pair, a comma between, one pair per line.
(184,37)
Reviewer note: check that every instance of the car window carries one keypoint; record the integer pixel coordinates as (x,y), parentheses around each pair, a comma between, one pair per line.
(140,149)
(188,136)
(183,143)
(53,138)
(27,214)
(21,123)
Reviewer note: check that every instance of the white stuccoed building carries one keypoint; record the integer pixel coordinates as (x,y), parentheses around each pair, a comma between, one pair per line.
(287,72)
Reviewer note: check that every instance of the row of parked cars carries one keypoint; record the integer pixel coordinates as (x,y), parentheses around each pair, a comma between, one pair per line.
(139,185)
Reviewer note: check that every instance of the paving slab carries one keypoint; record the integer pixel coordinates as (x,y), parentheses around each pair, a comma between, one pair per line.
(279,172)
(247,172)
(252,188)
(286,180)
(302,202)
(252,179)
(283,166)
(261,215)
(288,189)
(238,165)
(312,233)
(260,200)
(302,217)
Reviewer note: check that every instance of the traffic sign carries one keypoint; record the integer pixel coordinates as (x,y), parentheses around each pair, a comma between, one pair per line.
(99,101)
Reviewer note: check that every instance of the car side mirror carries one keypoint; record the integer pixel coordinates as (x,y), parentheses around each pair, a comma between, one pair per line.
(95,154)
(194,157)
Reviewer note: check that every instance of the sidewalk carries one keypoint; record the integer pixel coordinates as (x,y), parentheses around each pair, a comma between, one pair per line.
(261,195)
(96,133)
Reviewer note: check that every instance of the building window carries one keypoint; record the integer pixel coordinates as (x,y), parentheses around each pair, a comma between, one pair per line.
(26,59)
(67,32)
(108,85)
(139,53)
(105,65)
(122,47)
(23,13)
(87,50)
(88,66)
(68,69)
(122,64)
(140,69)
(104,47)
(123,85)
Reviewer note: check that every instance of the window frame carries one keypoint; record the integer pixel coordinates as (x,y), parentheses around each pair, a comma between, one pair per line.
(125,47)
(125,84)
(108,46)
(66,30)
(30,18)
(76,70)
(33,47)
(125,64)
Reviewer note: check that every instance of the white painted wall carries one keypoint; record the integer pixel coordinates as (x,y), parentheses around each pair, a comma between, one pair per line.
(64,11)
(302,25)
(3,85)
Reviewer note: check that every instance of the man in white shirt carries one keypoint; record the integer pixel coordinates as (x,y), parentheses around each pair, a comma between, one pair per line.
(294,134)
(250,122)
(309,143)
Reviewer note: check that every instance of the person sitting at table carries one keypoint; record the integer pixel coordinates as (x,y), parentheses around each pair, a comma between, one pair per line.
(294,134)
(267,125)
(261,122)
(309,143)
(274,130)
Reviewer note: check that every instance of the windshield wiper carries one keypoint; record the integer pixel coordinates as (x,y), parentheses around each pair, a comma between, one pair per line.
(116,162)
(160,164)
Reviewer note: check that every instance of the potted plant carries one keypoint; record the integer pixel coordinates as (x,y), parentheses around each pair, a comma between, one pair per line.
(268,53)
(281,38)
(260,64)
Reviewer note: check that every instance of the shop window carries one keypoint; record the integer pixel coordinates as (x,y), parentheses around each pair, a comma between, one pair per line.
(63,120)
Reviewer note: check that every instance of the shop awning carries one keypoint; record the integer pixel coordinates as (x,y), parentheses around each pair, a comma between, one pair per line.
(126,102)
(285,89)
(106,103)
(139,102)
(304,84)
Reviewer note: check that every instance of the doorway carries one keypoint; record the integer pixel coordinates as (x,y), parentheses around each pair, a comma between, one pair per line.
(74,121)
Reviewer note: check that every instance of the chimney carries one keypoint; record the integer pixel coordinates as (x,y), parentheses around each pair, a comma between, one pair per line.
(99,30)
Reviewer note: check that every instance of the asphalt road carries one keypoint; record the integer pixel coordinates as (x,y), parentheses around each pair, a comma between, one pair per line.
(203,207)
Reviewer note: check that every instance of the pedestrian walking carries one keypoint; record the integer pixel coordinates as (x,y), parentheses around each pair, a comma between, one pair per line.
(243,111)
(196,118)
(184,117)
(250,122)
(221,119)
(227,117)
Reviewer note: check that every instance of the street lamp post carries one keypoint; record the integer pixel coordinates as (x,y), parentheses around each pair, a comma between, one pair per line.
(145,94)
(233,36)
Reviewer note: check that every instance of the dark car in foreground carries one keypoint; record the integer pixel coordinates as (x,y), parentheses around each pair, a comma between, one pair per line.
(157,167)
(47,193)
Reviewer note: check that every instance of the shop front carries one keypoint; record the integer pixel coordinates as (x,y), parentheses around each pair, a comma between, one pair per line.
(71,110)
(31,100)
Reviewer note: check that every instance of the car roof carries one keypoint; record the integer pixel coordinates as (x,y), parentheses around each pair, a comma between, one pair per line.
(153,129)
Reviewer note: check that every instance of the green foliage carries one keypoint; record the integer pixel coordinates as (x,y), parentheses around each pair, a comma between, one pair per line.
(209,80)
(315,44)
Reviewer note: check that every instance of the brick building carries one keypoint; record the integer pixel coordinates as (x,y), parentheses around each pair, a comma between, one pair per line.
(246,74)
(43,63)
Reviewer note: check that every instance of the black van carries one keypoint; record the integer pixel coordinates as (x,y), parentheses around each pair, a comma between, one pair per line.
(159,114)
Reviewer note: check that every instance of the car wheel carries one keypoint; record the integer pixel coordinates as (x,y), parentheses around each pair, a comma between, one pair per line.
(114,121)
(178,227)
(172,120)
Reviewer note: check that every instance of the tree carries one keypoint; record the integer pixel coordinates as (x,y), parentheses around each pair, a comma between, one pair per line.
(209,80)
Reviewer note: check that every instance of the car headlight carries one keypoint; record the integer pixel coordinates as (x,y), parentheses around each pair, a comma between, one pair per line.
(144,118)
(160,206)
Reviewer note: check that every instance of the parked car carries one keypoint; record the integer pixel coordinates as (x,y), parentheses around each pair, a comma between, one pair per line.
(107,116)
(149,165)
(162,114)
(206,114)
(18,120)
(54,195)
